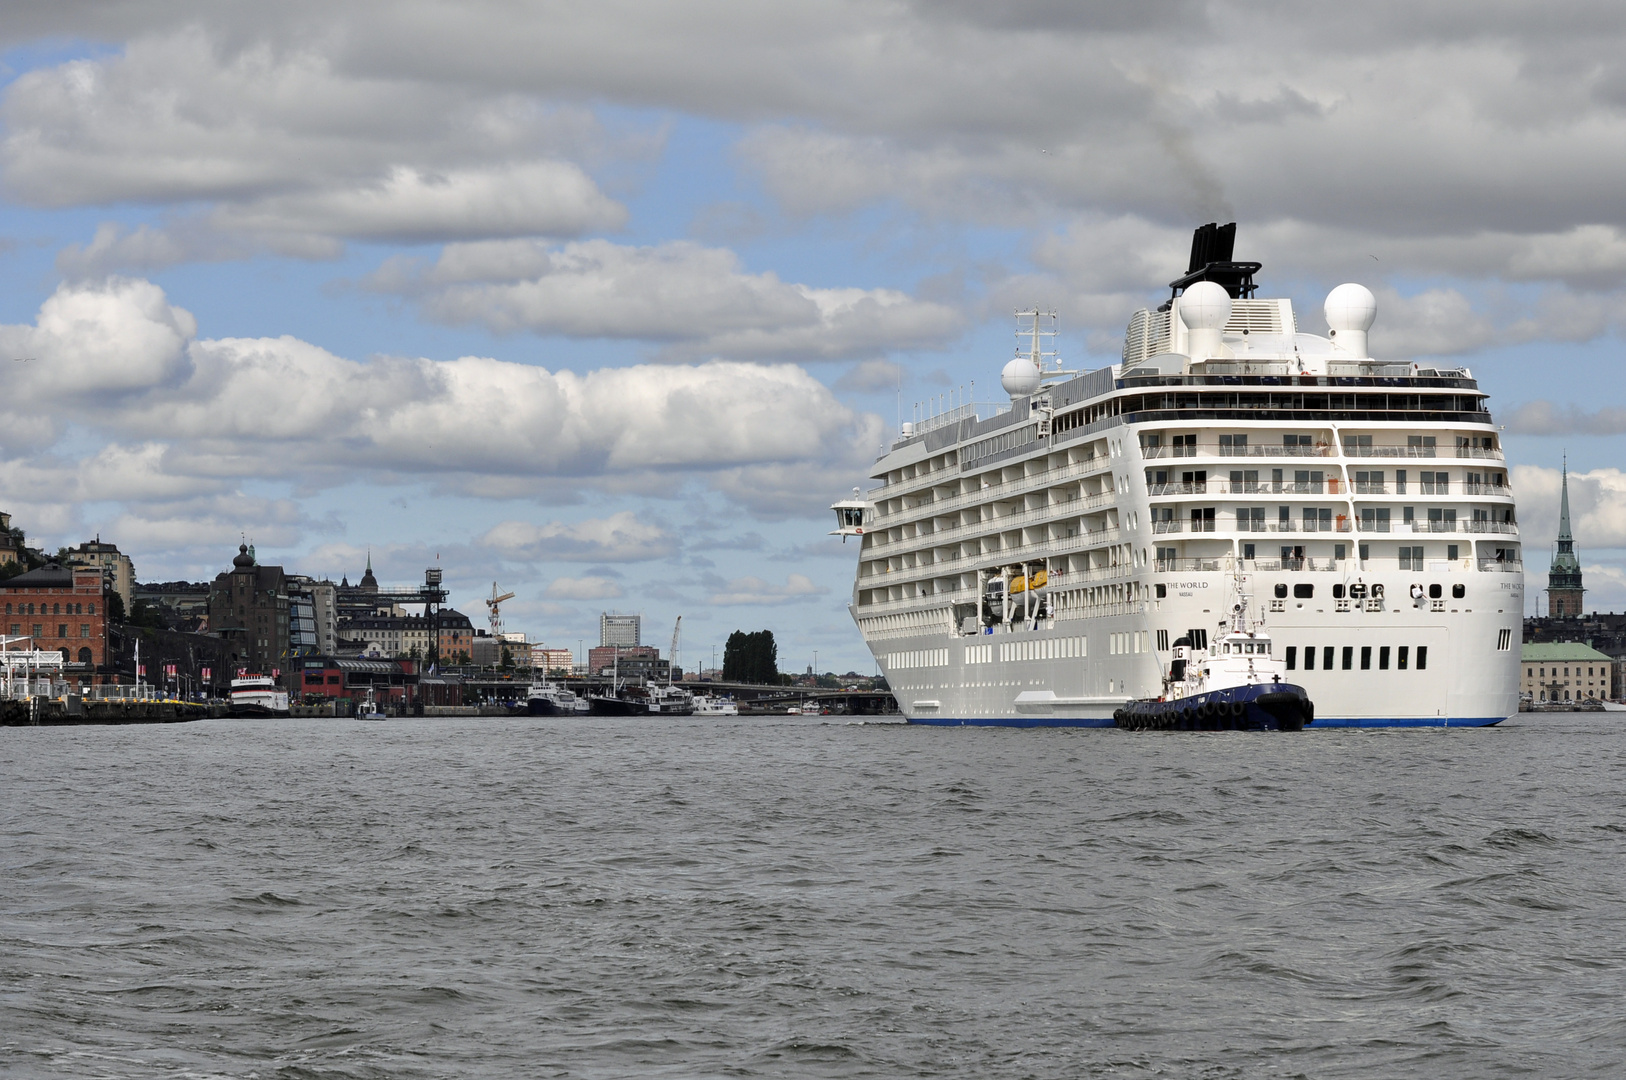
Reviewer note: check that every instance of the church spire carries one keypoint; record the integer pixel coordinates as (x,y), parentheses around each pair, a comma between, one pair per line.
(1564,590)
(1566,542)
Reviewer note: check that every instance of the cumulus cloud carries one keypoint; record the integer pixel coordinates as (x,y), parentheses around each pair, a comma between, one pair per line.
(696,300)
(118,357)
(757,592)
(1597,507)
(1546,418)
(584,588)
(620,537)
(285,152)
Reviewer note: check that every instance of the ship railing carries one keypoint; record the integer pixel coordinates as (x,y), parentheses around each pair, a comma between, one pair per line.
(1177,565)
(1168,526)
(1306,563)
(1481,453)
(1364,487)
(1506,566)
(1381,451)
(1469,488)
(1505,528)
(1246,450)
(1243,487)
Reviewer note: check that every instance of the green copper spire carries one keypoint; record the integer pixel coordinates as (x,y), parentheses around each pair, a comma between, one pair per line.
(1564,560)
(1564,588)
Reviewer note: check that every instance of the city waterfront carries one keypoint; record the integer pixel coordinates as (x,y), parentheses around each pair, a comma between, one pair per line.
(795,897)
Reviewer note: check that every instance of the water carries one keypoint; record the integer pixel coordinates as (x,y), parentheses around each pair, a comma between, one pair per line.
(739,898)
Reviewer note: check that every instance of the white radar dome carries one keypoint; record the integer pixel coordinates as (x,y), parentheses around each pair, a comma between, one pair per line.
(1020,377)
(1350,308)
(1205,306)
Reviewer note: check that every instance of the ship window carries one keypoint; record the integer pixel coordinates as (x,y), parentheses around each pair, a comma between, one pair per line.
(1281,592)
(1383,658)
(1400,657)
(1349,657)
(1422,657)
(1309,658)
(1162,592)
(1434,591)
(1303,592)
(1459,591)
(1292,657)
(1337,592)
(1366,658)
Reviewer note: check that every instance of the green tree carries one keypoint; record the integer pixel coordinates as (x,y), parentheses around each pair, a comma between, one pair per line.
(751,658)
(115,608)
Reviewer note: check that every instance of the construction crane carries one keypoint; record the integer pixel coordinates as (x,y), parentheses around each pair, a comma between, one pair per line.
(495,604)
(671,662)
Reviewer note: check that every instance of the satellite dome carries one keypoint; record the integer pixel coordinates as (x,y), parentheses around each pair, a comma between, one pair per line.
(1351,307)
(1205,306)
(1020,378)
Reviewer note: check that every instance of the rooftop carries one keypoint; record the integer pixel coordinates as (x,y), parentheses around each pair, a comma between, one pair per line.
(1560,651)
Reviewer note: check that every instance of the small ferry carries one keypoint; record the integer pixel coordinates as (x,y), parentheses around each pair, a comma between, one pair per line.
(257,695)
(710,705)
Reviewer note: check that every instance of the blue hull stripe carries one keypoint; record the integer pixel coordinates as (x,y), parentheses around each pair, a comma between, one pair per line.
(1106,722)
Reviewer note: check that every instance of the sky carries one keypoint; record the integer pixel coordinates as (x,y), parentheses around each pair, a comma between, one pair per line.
(605,304)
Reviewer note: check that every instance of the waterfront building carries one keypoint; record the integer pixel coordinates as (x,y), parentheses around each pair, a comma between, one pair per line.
(249,607)
(112,562)
(1564,589)
(62,608)
(183,604)
(634,662)
(622,630)
(395,635)
(1564,671)
(454,636)
(11,544)
(551,661)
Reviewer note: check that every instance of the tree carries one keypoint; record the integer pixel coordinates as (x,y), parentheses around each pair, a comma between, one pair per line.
(115,608)
(751,658)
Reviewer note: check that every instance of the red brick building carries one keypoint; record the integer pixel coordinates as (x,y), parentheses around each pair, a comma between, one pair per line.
(62,608)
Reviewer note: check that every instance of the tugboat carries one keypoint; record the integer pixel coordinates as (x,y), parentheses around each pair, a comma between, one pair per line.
(1235,686)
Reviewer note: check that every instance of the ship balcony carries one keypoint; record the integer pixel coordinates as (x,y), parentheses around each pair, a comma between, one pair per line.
(1213,450)
(958,532)
(1331,485)
(1505,566)
(1321,450)
(1025,485)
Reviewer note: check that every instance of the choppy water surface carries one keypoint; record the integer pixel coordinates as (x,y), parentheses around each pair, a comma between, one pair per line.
(535,898)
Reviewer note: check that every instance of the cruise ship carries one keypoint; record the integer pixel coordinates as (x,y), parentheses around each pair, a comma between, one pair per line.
(1032,567)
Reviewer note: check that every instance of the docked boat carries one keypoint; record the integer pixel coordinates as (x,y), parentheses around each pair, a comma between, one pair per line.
(257,695)
(711,705)
(671,700)
(367,708)
(1034,563)
(551,699)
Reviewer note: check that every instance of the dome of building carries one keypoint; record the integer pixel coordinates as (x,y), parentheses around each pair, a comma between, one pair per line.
(243,560)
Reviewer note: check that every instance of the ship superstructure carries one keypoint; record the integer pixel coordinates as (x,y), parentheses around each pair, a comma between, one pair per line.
(1033,566)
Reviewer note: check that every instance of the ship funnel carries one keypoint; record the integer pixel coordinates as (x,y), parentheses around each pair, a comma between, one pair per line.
(1205,308)
(1351,308)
